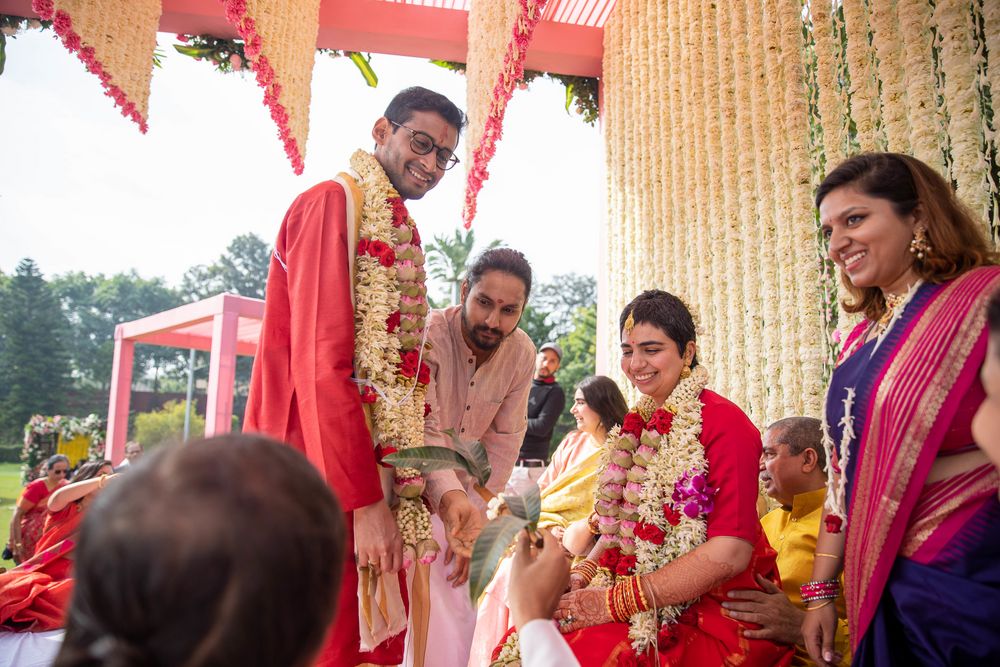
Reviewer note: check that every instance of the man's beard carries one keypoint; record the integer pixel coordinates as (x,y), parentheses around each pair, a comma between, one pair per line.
(473,333)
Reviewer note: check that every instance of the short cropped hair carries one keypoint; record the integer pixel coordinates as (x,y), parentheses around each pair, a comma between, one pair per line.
(667,313)
(800,434)
(416,98)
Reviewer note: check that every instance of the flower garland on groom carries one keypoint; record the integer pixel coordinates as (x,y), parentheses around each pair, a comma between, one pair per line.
(339,372)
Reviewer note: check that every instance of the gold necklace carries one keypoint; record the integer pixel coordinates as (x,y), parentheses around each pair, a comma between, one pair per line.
(893,302)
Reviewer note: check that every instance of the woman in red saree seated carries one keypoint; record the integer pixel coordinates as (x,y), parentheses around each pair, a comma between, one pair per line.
(30,511)
(912,516)
(34,595)
(676,509)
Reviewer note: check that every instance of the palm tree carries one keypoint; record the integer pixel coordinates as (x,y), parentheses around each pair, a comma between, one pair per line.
(447,258)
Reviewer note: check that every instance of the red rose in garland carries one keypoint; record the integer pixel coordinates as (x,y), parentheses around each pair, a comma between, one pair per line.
(609,559)
(363,247)
(660,421)
(672,516)
(416,237)
(408,363)
(633,424)
(424,374)
(625,566)
(399,212)
(649,533)
(368,395)
(388,258)
(392,322)
(427,409)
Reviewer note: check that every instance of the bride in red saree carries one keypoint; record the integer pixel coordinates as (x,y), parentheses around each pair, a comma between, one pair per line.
(676,510)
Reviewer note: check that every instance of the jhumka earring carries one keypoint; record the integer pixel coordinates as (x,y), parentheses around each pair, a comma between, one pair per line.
(685,372)
(920,246)
(629,322)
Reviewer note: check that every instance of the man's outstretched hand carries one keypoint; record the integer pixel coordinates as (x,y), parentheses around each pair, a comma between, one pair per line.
(462,523)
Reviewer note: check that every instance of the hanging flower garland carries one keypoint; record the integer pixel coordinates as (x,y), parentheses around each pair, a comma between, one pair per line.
(123,71)
(389,320)
(40,428)
(283,68)
(509,76)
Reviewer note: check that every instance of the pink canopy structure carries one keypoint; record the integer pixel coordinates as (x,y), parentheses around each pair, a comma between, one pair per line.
(226,325)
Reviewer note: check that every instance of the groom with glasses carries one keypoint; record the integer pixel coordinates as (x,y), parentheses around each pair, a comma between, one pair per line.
(303,389)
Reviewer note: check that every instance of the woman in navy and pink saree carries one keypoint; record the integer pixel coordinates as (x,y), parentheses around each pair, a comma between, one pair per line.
(912,515)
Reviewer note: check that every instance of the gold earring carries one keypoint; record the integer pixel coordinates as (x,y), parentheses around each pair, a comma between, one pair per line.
(920,246)
(629,322)
(685,372)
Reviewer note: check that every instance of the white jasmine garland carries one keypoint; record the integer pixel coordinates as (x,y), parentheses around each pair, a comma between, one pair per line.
(398,407)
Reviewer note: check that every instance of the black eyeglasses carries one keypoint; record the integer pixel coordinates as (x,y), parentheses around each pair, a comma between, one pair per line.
(421,143)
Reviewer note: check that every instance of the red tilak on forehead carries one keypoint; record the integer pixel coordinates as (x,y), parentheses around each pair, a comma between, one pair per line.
(499,302)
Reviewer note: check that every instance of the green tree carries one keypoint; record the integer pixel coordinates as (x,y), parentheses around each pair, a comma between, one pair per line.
(535,323)
(561,298)
(241,269)
(34,364)
(448,257)
(166,425)
(579,348)
(94,305)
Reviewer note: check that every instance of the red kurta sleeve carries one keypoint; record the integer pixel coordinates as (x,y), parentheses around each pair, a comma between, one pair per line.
(305,358)
(733,450)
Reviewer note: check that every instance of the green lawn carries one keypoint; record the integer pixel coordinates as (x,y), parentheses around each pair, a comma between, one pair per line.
(10,487)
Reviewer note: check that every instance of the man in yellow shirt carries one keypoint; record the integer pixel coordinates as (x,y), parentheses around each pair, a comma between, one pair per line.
(792,470)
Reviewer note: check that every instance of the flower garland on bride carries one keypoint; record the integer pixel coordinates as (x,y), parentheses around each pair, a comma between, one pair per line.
(389,338)
(652,502)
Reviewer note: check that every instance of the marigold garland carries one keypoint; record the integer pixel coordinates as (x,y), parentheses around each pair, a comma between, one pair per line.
(389,319)
(124,65)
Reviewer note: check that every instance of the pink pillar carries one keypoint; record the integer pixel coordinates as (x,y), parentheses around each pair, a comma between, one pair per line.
(121,393)
(221,374)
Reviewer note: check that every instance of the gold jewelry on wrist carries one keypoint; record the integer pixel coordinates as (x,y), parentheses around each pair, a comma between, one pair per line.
(820,606)
(818,554)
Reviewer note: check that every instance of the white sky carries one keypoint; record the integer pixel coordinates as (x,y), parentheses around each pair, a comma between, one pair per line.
(82,190)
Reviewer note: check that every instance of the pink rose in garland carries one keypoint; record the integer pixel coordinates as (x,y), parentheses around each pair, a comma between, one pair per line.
(633,424)
(660,421)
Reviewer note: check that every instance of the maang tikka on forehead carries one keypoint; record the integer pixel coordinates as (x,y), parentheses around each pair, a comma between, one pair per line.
(630,322)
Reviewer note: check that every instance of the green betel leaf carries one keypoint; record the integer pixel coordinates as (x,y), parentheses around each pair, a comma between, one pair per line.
(489,548)
(364,67)
(194,51)
(475,453)
(527,506)
(429,459)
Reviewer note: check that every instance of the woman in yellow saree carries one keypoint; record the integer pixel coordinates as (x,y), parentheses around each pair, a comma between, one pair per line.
(567,490)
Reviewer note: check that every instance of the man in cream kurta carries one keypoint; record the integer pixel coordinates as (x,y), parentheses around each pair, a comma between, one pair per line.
(481,368)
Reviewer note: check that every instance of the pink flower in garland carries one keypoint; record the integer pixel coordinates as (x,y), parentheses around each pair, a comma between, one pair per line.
(44,8)
(62,23)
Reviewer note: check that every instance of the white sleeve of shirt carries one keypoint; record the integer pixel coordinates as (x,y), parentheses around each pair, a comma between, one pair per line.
(543,646)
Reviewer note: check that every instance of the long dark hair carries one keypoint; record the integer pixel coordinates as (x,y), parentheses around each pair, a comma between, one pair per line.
(227,551)
(605,398)
(89,470)
(957,238)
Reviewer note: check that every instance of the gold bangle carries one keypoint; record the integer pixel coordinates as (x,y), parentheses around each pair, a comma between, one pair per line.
(827,555)
(820,606)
